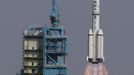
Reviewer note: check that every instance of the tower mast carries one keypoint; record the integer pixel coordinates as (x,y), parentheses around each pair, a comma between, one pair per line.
(54,17)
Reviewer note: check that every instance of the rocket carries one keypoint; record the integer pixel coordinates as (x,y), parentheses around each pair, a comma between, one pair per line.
(95,36)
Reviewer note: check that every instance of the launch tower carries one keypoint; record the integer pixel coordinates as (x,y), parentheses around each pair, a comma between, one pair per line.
(54,50)
(44,48)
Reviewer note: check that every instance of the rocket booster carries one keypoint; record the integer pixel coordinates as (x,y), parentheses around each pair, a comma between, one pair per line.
(95,36)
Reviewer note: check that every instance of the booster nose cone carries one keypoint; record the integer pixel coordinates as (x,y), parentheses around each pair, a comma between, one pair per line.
(90,31)
(100,32)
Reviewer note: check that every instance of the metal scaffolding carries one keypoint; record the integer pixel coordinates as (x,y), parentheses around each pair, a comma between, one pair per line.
(54,51)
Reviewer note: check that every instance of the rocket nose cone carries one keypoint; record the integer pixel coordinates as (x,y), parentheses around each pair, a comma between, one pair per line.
(90,31)
(100,31)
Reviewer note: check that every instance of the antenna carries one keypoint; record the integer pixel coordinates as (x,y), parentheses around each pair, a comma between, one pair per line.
(54,17)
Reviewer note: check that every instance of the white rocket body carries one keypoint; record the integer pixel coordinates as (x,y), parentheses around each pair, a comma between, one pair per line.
(95,37)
